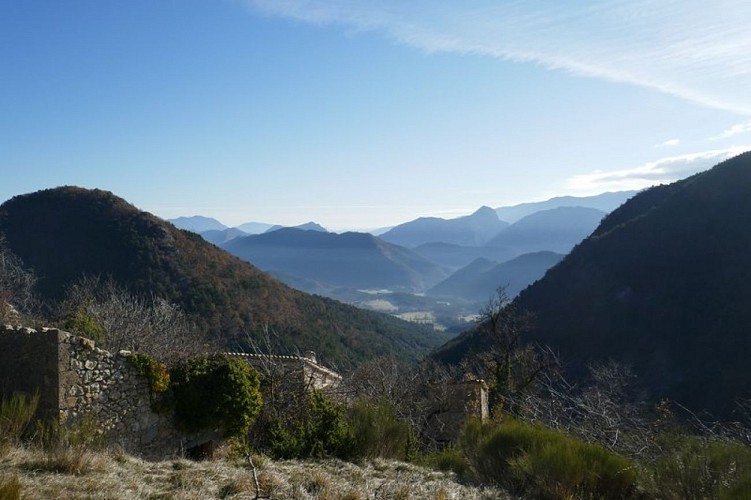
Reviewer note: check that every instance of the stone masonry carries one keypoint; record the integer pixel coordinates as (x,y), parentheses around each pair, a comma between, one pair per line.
(75,379)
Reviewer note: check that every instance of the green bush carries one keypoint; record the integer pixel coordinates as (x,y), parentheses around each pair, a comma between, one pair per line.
(450,459)
(693,468)
(80,322)
(378,433)
(318,429)
(154,371)
(216,392)
(540,462)
(16,413)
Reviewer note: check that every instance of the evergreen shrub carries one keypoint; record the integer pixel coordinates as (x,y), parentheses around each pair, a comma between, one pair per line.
(543,463)
(319,428)
(692,467)
(16,413)
(378,433)
(216,392)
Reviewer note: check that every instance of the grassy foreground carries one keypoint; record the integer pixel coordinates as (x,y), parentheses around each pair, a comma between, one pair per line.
(27,473)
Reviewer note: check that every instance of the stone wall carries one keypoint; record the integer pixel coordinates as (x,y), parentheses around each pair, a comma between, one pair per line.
(304,369)
(78,380)
(453,405)
(28,364)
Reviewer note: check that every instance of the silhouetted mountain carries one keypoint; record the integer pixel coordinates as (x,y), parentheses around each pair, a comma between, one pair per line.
(556,230)
(353,260)
(605,202)
(662,285)
(308,226)
(479,280)
(471,230)
(455,257)
(67,232)
(218,237)
(254,227)
(198,223)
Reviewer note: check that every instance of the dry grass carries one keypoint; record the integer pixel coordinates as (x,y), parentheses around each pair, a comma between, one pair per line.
(118,476)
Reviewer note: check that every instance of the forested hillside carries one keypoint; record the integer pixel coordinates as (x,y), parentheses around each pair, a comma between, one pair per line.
(664,286)
(66,233)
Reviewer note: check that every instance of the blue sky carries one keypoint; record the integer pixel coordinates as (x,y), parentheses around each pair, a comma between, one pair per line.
(359,114)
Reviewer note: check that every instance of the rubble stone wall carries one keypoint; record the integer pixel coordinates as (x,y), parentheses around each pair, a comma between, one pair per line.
(77,380)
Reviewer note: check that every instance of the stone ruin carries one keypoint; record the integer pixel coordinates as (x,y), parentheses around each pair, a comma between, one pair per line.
(303,370)
(74,378)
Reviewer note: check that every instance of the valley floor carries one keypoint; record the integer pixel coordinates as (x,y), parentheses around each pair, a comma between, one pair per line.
(119,476)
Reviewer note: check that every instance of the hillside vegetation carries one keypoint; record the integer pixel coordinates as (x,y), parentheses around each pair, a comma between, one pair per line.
(663,286)
(66,233)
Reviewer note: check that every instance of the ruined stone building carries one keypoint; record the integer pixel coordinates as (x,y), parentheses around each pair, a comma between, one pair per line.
(304,370)
(74,378)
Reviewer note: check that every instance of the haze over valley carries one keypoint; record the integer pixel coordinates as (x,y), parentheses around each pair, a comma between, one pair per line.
(433,270)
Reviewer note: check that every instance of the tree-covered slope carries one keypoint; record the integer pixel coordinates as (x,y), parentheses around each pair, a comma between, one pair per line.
(664,285)
(65,233)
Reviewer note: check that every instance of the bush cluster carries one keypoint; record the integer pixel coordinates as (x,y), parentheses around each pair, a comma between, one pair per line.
(16,413)
(378,433)
(692,468)
(216,392)
(154,371)
(535,461)
(318,429)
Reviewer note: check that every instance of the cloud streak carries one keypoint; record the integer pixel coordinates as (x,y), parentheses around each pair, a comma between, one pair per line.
(692,49)
(737,129)
(661,171)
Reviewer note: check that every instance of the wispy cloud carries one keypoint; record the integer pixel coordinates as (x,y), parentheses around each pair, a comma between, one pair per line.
(693,49)
(737,129)
(662,171)
(670,144)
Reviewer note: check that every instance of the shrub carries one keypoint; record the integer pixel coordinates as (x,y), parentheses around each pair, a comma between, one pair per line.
(378,433)
(84,324)
(216,392)
(154,371)
(15,414)
(319,429)
(69,447)
(450,459)
(693,467)
(543,463)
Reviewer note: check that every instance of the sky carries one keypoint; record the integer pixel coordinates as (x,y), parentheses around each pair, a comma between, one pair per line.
(361,114)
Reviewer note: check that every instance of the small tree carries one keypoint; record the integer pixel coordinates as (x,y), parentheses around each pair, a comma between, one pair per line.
(16,286)
(101,309)
(509,364)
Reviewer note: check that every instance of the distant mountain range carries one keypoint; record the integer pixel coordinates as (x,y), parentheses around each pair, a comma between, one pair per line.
(555,230)
(417,255)
(478,281)
(198,224)
(663,285)
(353,260)
(471,230)
(66,233)
(605,202)
(308,226)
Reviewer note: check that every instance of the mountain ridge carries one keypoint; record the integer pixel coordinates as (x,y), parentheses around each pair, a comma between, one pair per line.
(64,233)
(663,286)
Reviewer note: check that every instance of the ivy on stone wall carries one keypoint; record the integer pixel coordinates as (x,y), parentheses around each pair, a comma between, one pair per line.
(154,371)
